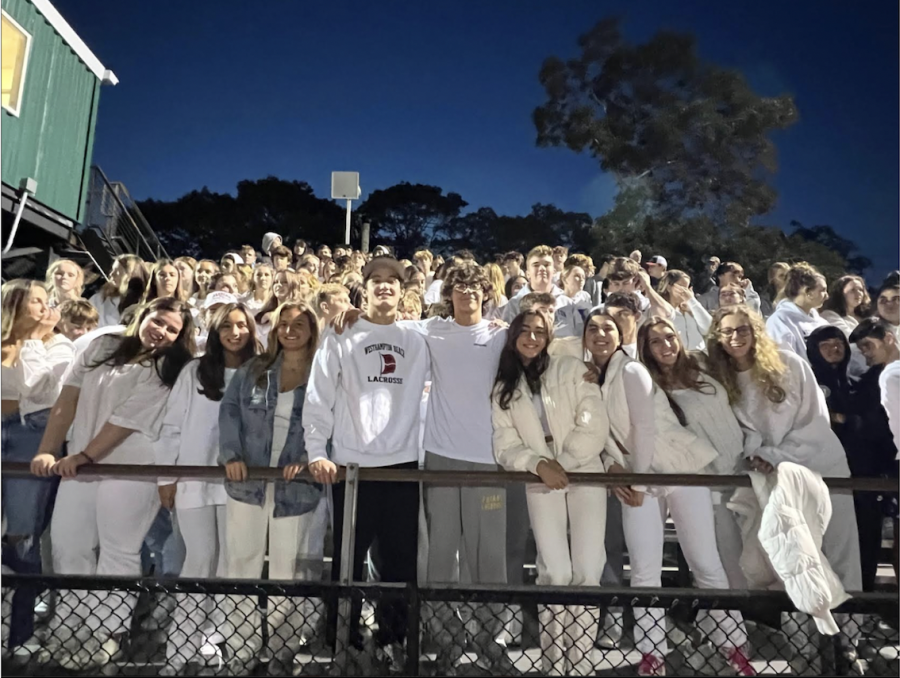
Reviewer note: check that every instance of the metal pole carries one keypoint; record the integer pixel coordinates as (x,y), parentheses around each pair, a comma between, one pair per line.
(347,232)
(348,538)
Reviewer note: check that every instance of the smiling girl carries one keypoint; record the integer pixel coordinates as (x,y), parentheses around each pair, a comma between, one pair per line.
(190,437)
(113,401)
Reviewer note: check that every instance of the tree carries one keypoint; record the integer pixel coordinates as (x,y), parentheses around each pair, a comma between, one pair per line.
(694,133)
(407,216)
(206,224)
(826,236)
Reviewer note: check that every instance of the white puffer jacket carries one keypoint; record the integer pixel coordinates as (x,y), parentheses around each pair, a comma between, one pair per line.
(575,413)
(783,519)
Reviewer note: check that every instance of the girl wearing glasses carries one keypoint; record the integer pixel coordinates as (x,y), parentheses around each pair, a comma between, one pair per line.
(782,410)
(646,437)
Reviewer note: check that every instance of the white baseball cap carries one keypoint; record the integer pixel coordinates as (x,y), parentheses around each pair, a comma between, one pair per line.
(218,297)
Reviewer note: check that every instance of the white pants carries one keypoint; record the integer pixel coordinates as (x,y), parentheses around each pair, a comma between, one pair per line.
(731,545)
(555,515)
(198,616)
(247,527)
(113,516)
(692,512)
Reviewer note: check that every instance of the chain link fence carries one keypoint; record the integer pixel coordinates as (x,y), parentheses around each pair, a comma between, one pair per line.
(105,626)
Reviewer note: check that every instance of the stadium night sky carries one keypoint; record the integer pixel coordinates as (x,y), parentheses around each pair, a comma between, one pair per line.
(442,92)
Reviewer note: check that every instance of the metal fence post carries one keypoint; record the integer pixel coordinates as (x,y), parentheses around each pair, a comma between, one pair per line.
(348,544)
(413,629)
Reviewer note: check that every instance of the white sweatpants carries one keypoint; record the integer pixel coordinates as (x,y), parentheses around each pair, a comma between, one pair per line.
(247,529)
(567,633)
(692,512)
(111,515)
(198,616)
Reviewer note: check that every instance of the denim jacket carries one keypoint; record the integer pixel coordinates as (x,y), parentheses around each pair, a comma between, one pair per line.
(246,422)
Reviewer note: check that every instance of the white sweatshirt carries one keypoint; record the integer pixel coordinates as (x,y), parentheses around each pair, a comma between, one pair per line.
(107,308)
(889,382)
(190,437)
(796,430)
(40,371)
(790,325)
(131,396)
(364,392)
(464,362)
(692,327)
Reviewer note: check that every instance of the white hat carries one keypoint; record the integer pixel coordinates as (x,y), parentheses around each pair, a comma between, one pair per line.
(238,259)
(659,261)
(218,297)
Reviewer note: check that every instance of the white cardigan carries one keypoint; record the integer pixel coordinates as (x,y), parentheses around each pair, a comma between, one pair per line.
(575,413)
(643,426)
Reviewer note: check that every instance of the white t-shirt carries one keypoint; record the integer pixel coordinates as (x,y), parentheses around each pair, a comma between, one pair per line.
(281,425)
(131,396)
(889,382)
(464,364)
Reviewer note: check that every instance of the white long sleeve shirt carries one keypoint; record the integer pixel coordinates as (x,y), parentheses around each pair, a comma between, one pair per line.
(709,416)
(131,396)
(790,325)
(889,382)
(190,437)
(364,392)
(798,429)
(464,363)
(40,370)
(692,327)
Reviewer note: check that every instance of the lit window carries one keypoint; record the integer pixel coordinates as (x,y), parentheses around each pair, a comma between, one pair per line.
(15,42)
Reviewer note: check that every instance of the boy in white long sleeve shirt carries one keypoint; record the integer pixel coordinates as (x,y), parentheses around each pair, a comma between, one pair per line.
(364,393)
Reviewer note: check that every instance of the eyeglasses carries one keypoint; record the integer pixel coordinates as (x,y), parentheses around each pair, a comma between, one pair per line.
(743,332)
(465,288)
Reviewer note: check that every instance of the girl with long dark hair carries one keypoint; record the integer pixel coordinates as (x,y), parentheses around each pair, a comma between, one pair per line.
(260,425)
(190,437)
(549,421)
(113,401)
(701,404)
(642,424)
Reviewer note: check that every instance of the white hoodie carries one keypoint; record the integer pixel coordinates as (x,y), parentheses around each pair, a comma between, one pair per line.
(365,392)
(790,325)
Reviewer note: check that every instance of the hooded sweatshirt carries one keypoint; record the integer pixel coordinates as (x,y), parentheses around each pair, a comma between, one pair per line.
(790,325)
(364,392)
(268,239)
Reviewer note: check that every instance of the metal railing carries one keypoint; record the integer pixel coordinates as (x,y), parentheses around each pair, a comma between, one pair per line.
(111,210)
(276,626)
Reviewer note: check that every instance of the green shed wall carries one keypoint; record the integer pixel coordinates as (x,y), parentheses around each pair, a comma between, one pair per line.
(52,139)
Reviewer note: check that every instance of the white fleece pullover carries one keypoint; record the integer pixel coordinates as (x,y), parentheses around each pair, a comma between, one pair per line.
(364,392)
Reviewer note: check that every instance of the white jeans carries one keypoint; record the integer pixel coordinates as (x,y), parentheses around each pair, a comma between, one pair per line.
(555,516)
(113,516)
(247,527)
(692,512)
(198,616)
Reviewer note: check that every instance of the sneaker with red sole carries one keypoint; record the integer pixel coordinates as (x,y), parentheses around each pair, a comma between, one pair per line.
(739,662)
(651,665)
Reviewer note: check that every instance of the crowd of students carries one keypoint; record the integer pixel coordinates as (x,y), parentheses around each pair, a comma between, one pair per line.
(549,363)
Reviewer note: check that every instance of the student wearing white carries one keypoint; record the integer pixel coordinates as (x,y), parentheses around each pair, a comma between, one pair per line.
(549,421)
(625,309)
(365,391)
(34,360)
(113,399)
(701,404)
(847,304)
(795,316)
(642,423)
(190,437)
(782,410)
(107,300)
(691,320)
(260,425)
(539,271)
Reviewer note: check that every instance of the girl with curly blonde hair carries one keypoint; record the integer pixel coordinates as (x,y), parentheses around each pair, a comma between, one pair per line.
(782,410)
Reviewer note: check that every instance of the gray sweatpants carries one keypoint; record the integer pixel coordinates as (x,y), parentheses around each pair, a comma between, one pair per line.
(469,522)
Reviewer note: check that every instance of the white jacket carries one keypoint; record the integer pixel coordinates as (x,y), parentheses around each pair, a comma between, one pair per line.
(576,415)
(783,519)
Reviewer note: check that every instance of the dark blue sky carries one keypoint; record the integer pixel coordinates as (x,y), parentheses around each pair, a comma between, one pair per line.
(442,92)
